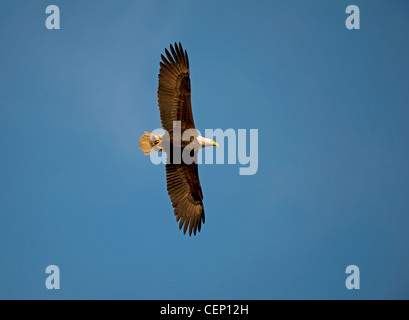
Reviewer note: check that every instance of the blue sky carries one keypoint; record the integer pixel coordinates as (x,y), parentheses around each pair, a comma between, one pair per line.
(332,110)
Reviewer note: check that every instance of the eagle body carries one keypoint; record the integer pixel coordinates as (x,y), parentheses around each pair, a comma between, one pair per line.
(182,175)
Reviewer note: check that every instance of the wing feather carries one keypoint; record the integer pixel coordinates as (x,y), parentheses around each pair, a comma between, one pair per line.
(186,195)
(174,94)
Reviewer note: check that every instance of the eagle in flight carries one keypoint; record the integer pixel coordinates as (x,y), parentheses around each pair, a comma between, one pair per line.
(176,116)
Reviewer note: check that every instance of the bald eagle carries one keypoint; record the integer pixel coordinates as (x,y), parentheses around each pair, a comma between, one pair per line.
(175,109)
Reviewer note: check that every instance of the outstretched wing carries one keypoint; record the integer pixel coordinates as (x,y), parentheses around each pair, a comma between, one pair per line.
(186,195)
(174,90)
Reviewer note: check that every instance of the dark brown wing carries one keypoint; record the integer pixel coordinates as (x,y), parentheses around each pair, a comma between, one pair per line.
(174,90)
(186,195)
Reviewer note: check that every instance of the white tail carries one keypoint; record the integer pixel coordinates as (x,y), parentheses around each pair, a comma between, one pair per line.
(150,143)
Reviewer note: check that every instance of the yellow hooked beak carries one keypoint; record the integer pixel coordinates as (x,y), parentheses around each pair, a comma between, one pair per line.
(215,144)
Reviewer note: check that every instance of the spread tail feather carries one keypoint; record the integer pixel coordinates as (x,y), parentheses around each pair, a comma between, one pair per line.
(150,143)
